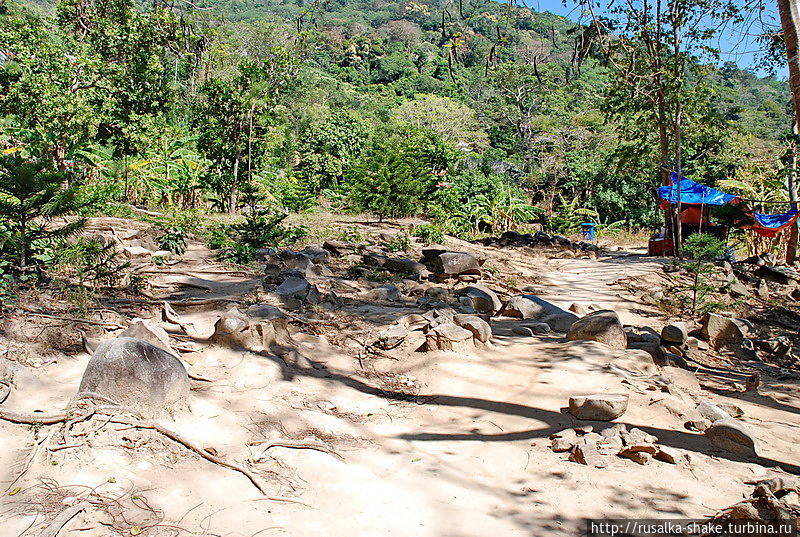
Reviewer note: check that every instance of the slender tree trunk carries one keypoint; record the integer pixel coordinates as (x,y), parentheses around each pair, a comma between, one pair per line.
(791,186)
(790,22)
(23,243)
(233,194)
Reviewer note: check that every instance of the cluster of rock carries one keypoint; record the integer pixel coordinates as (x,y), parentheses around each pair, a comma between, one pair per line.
(443,329)
(287,274)
(540,238)
(596,448)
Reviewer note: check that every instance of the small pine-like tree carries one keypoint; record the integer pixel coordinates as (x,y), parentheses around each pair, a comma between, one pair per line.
(702,248)
(388,184)
(31,196)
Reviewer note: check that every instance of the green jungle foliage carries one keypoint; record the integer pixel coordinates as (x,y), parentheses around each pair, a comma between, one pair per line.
(479,115)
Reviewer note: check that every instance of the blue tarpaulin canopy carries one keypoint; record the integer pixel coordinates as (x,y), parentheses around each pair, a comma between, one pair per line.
(693,193)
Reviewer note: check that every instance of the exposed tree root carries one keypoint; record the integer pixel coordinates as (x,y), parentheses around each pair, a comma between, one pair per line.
(185,442)
(303,444)
(65,516)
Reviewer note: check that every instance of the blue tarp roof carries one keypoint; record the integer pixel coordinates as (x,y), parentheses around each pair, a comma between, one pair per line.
(695,193)
(692,192)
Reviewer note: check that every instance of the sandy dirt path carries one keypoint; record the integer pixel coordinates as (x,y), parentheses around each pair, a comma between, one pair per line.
(467,455)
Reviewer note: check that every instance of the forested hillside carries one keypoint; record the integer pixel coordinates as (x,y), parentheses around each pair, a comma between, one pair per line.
(472,114)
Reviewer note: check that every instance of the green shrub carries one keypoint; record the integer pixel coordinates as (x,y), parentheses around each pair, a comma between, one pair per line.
(429,233)
(401,243)
(89,261)
(173,240)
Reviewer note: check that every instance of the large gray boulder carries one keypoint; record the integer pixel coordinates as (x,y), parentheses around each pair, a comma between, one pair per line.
(443,262)
(599,406)
(602,326)
(482,299)
(139,375)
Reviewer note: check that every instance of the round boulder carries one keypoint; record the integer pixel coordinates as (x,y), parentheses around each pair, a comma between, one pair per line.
(137,374)
(602,326)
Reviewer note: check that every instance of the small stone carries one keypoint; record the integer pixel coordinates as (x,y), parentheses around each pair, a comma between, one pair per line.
(640,457)
(480,329)
(763,289)
(698,425)
(563,440)
(403,265)
(600,407)
(448,337)
(391,337)
(578,309)
(712,412)
(386,292)
(675,333)
(668,454)
(589,455)
(643,447)
(522,331)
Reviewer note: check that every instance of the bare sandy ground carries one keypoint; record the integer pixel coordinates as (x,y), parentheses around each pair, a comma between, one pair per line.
(463,451)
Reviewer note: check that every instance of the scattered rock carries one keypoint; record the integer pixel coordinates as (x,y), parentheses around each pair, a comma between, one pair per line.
(149,332)
(699,425)
(600,407)
(533,307)
(763,289)
(298,288)
(602,326)
(668,454)
(448,337)
(524,331)
(712,412)
(719,330)
(403,265)
(589,455)
(443,262)
(137,374)
(779,275)
(578,309)
(136,251)
(339,248)
(391,337)
(732,436)
(386,292)
(236,330)
(675,333)
(482,298)
(480,329)
(641,457)
(563,440)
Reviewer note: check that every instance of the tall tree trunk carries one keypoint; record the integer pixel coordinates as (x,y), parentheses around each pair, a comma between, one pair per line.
(791,186)
(233,194)
(790,22)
